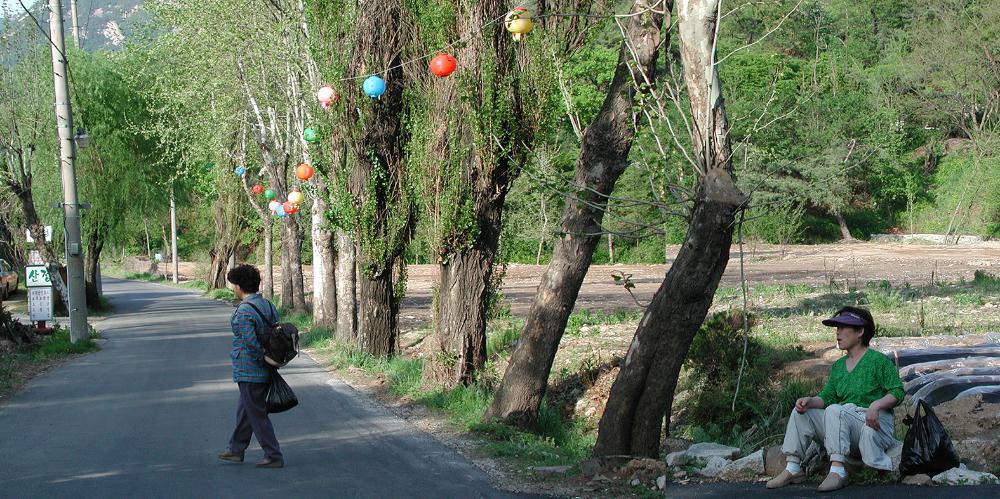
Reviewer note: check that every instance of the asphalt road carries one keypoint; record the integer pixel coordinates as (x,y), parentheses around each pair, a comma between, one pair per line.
(145,417)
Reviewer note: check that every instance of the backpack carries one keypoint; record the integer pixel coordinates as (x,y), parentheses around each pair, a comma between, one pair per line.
(281,342)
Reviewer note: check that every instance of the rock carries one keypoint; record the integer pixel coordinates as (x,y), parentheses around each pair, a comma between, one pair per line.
(917,480)
(774,461)
(679,458)
(708,450)
(713,467)
(680,474)
(550,470)
(635,482)
(644,469)
(959,476)
(748,466)
(596,466)
(661,482)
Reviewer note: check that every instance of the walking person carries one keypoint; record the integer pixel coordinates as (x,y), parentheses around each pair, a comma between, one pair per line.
(853,413)
(250,372)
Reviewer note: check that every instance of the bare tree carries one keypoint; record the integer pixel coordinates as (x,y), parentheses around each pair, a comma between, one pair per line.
(606,143)
(643,392)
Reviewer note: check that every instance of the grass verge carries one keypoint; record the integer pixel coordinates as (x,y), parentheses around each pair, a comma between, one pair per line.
(27,361)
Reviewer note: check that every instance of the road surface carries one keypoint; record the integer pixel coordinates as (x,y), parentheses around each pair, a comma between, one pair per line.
(145,417)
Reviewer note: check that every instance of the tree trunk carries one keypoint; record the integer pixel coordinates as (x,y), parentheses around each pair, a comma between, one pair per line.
(346,275)
(464,297)
(377,313)
(845,233)
(267,273)
(642,394)
(92,267)
(292,284)
(603,157)
(323,267)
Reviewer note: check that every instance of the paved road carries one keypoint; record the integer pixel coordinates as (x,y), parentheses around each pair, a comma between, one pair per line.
(145,417)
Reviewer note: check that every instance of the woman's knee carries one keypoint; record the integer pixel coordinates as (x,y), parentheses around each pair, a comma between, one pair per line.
(834,409)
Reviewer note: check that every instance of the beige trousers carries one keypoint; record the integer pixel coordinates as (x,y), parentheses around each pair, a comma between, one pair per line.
(841,429)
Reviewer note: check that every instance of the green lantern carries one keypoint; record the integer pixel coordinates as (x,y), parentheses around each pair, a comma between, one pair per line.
(310,135)
(269,194)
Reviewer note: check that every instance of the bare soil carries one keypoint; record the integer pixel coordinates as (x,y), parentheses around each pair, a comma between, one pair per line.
(841,264)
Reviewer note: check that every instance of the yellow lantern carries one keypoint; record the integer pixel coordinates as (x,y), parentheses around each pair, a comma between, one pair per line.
(296,197)
(519,23)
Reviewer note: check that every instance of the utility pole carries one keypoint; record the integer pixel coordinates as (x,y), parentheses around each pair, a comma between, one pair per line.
(79,329)
(173,233)
(75,24)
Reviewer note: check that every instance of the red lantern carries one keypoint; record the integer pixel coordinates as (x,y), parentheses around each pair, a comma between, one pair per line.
(290,207)
(443,65)
(257,189)
(304,171)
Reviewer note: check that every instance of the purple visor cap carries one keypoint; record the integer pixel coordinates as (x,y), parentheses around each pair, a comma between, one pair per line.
(846,319)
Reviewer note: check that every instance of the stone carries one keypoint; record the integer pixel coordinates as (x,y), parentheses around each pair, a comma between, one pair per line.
(708,450)
(960,476)
(661,482)
(680,474)
(917,480)
(550,470)
(591,467)
(713,467)
(645,469)
(679,458)
(751,465)
(774,461)
(635,482)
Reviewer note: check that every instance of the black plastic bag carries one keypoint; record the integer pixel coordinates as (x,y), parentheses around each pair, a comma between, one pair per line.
(280,396)
(927,448)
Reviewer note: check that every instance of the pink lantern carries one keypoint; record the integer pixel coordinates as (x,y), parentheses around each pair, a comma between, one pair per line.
(325,94)
(273,206)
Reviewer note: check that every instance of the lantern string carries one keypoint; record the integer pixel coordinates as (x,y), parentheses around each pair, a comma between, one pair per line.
(480,30)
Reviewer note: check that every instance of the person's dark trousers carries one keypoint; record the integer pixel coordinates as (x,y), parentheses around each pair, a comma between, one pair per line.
(251,419)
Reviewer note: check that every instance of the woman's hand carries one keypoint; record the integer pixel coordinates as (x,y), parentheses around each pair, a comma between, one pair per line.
(802,405)
(871,418)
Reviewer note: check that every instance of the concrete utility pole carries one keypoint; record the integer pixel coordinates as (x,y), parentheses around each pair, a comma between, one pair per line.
(74,23)
(79,329)
(173,234)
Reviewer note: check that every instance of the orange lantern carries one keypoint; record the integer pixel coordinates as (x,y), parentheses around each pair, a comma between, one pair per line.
(304,171)
(443,65)
(257,189)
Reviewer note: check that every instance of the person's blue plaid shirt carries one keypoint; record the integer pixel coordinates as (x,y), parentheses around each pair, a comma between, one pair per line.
(247,356)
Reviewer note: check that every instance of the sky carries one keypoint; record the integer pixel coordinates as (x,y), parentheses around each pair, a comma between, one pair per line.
(14,6)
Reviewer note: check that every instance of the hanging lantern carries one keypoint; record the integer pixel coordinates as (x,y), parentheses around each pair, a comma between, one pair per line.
(273,206)
(310,135)
(240,171)
(519,23)
(280,211)
(296,198)
(327,95)
(257,189)
(443,65)
(269,194)
(374,86)
(304,171)
(290,207)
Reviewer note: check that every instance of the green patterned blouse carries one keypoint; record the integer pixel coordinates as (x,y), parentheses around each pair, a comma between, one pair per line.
(872,378)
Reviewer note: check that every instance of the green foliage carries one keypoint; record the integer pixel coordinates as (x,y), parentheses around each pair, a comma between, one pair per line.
(60,345)
(713,366)
(222,294)
(585,318)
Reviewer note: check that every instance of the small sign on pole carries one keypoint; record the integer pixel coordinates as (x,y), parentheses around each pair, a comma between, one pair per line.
(35,258)
(40,304)
(37,276)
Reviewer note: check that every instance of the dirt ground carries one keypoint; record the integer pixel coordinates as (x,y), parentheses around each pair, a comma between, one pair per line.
(853,264)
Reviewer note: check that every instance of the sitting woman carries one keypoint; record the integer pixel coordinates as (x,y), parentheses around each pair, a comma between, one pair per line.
(853,413)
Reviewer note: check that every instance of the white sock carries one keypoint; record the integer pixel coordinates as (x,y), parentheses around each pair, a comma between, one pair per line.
(838,470)
(793,468)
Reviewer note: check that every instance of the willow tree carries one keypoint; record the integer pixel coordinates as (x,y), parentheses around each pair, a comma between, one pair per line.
(643,392)
(372,196)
